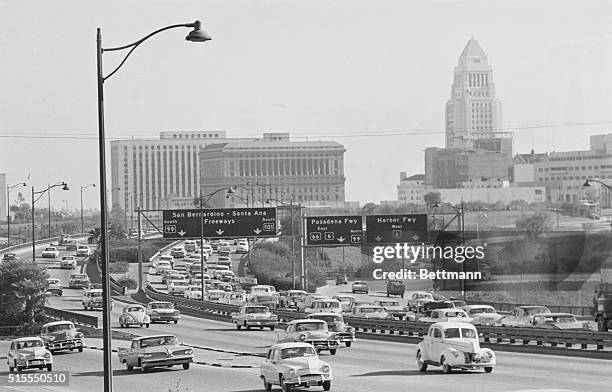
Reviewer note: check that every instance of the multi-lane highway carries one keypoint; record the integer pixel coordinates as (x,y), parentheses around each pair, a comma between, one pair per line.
(367,366)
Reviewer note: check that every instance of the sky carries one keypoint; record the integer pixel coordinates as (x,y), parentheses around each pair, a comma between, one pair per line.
(373,75)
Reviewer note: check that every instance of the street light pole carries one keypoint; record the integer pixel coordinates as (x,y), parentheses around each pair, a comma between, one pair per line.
(196,35)
(82,189)
(8,213)
(41,193)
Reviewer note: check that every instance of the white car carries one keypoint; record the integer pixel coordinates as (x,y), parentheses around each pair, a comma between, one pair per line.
(193,292)
(215,295)
(178,252)
(418,299)
(453,345)
(482,314)
(163,311)
(522,316)
(345,301)
(324,306)
(450,314)
(134,314)
(177,287)
(161,266)
(294,364)
(242,247)
(190,245)
(28,353)
(68,262)
(54,286)
(50,252)
(168,258)
(83,251)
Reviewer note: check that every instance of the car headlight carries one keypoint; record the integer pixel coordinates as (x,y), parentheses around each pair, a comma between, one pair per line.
(155,314)
(23,356)
(147,355)
(325,368)
(47,355)
(176,312)
(188,352)
(292,371)
(303,337)
(51,338)
(350,329)
(455,353)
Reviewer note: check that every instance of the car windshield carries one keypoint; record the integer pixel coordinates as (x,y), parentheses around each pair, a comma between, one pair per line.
(359,283)
(296,352)
(78,277)
(256,309)
(453,333)
(558,319)
(50,249)
(423,296)
(372,310)
(265,298)
(390,303)
(95,294)
(326,305)
(53,281)
(454,313)
(158,341)
(538,310)
(330,319)
(482,310)
(195,288)
(29,344)
(316,326)
(164,305)
(68,258)
(135,309)
(60,327)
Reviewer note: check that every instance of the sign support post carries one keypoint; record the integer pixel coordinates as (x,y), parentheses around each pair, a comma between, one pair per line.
(202,245)
(140,289)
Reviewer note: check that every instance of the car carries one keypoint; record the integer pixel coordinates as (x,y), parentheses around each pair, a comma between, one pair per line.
(159,267)
(458,303)
(394,307)
(292,298)
(428,307)
(453,345)
(262,288)
(162,311)
(178,252)
(254,316)
(28,353)
(224,286)
(482,314)
(449,314)
(522,316)
(308,300)
(325,305)
(341,279)
(269,300)
(78,281)
(223,246)
(62,335)
(345,301)
(50,252)
(146,352)
(134,314)
(10,257)
(371,312)
(70,244)
(195,268)
(242,247)
(190,246)
(196,279)
(417,299)
(214,295)
(396,287)
(226,276)
(92,299)
(314,332)
(234,298)
(177,287)
(83,251)
(171,275)
(68,262)
(361,287)
(560,321)
(292,365)
(357,303)
(54,286)
(168,258)
(207,249)
(336,324)
(193,292)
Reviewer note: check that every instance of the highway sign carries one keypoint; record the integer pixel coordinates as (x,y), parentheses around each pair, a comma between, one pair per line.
(220,223)
(334,230)
(390,229)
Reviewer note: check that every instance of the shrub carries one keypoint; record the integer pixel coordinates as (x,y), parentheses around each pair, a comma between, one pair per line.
(128,282)
(119,267)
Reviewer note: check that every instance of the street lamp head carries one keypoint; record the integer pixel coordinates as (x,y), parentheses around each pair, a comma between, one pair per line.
(586,183)
(230,191)
(197,34)
(65,187)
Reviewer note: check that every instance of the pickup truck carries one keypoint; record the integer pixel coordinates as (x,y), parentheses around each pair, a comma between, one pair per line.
(254,316)
(159,350)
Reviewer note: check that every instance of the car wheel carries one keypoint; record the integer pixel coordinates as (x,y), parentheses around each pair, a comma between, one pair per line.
(422,366)
(49,367)
(81,349)
(238,326)
(353,291)
(272,328)
(267,385)
(284,387)
(326,385)
(348,344)
(147,325)
(488,369)
(175,321)
(140,325)
(332,351)
(260,328)
(11,369)
(129,367)
(446,368)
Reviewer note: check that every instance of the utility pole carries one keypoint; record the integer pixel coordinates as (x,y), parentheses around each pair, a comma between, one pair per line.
(140,288)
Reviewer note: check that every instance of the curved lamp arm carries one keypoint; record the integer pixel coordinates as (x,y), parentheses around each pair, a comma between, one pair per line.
(41,193)
(195,25)
(589,180)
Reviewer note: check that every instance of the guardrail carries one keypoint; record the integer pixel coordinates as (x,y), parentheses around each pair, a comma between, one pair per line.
(165,248)
(509,306)
(77,318)
(578,340)
(28,245)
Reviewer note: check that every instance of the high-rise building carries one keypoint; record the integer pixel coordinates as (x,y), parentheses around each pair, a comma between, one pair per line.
(473,112)
(273,168)
(155,173)
(3,196)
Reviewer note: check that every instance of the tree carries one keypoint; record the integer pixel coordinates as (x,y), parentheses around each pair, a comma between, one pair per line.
(432,198)
(535,224)
(22,294)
